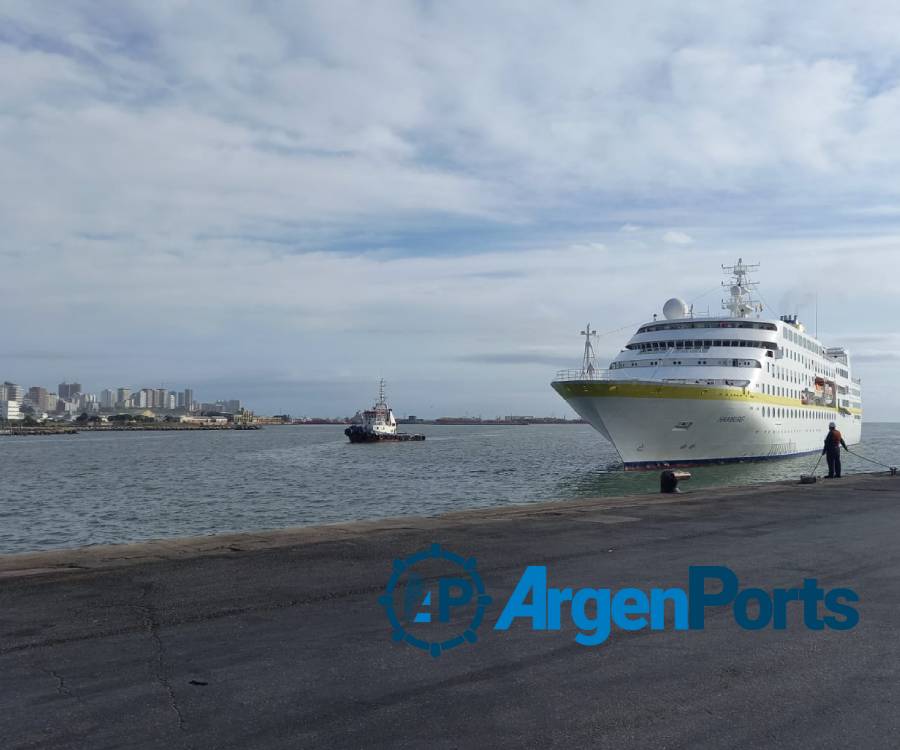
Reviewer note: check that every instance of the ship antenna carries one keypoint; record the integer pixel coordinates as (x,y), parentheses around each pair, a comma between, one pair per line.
(587,364)
(740,302)
(381,391)
(817,314)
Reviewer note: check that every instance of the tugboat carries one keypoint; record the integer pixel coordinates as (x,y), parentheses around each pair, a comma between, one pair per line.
(378,424)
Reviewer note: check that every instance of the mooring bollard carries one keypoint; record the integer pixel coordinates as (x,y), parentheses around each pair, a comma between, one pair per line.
(668,480)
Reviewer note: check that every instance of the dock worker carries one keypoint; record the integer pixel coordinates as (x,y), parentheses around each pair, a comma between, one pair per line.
(832,451)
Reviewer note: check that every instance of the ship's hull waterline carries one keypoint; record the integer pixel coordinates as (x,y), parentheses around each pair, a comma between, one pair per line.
(653,425)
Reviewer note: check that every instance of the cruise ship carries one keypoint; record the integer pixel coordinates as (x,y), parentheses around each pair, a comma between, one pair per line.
(690,389)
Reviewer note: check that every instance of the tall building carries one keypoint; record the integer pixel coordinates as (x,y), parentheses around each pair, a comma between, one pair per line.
(138,399)
(149,398)
(68,391)
(232,406)
(14,392)
(179,400)
(123,395)
(40,398)
(189,399)
(162,398)
(107,398)
(86,402)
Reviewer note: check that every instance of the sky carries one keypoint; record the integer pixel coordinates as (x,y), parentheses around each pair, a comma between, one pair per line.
(284,201)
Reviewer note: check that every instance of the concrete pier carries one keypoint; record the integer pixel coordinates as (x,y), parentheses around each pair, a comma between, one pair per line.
(277,640)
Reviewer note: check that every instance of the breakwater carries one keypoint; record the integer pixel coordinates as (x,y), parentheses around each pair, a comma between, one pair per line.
(156,427)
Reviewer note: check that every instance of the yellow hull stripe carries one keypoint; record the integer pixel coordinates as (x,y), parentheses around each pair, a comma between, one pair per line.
(631,389)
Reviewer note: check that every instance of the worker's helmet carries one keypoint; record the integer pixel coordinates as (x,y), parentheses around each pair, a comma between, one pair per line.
(831,425)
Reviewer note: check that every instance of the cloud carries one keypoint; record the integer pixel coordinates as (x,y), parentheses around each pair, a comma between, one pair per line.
(590,246)
(677,238)
(877,357)
(518,358)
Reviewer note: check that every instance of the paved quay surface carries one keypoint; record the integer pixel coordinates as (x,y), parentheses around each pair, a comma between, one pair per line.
(277,640)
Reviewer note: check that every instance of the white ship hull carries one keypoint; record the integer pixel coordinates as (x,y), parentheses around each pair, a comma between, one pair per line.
(654,426)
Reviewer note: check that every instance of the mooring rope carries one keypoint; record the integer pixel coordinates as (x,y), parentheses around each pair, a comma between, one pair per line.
(818,461)
(870,460)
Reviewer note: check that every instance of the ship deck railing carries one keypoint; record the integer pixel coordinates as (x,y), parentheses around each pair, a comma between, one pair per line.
(730,382)
(585,375)
(620,375)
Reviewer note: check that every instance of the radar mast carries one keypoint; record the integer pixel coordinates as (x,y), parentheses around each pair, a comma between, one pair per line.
(740,303)
(587,363)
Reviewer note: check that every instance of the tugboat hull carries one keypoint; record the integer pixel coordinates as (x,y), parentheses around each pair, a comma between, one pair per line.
(359,435)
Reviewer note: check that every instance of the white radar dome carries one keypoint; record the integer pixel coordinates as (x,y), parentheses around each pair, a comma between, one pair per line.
(675,308)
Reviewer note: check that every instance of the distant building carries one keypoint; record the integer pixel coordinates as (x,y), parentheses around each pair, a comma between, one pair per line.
(123,395)
(87,402)
(205,420)
(189,399)
(71,408)
(277,419)
(162,398)
(107,398)
(68,391)
(232,406)
(40,398)
(14,392)
(9,411)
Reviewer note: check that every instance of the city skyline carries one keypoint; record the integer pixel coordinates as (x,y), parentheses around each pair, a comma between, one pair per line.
(70,398)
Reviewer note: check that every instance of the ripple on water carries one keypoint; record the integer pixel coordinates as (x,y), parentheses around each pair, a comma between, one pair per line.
(103,488)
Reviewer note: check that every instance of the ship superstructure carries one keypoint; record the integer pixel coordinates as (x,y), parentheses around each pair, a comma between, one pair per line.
(690,389)
(378,423)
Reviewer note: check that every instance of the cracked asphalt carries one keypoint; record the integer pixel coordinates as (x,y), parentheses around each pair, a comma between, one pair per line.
(277,640)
